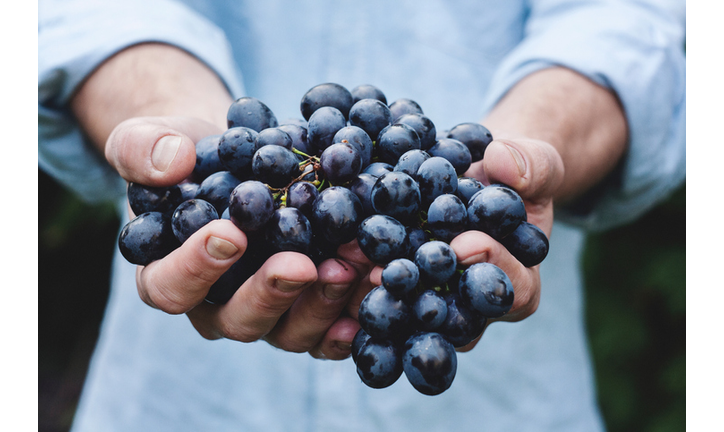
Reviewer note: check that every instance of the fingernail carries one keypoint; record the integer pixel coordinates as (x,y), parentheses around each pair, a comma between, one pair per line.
(335,291)
(518,158)
(288,286)
(165,151)
(473,259)
(220,248)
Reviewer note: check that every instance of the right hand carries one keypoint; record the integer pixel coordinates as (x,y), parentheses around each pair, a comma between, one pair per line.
(288,302)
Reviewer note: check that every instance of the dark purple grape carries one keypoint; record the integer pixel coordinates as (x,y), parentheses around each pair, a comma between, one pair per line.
(301,195)
(400,277)
(378,169)
(461,325)
(323,125)
(146,238)
(429,310)
(274,136)
(275,166)
(404,106)
(298,134)
(528,244)
(362,187)
(496,210)
(410,162)
(252,113)
(360,338)
(236,149)
(341,163)
(486,290)
(454,151)
(289,230)
(424,127)
(367,91)
(251,205)
(371,115)
(429,363)
(217,188)
(321,249)
(396,194)
(144,199)
(294,121)
(447,217)
(394,140)
(379,363)
(359,139)
(416,237)
(190,216)
(467,187)
(384,316)
(188,190)
(436,261)
(382,239)
(207,158)
(436,176)
(474,135)
(327,94)
(336,215)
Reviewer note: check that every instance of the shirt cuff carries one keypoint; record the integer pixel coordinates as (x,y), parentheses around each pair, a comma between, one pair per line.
(638,53)
(74,38)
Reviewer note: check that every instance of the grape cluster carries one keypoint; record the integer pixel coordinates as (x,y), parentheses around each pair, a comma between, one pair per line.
(354,168)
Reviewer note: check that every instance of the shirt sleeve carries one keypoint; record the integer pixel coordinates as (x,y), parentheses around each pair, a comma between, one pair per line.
(635,48)
(74,38)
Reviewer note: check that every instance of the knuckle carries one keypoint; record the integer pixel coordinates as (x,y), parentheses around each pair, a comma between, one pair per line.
(239,332)
(169,301)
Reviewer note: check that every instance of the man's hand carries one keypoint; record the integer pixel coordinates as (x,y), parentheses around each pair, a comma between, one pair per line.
(145,109)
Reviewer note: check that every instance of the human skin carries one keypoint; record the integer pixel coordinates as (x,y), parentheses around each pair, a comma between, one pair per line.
(145,107)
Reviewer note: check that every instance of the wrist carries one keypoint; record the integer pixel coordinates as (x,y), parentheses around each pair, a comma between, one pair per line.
(149,80)
(583,121)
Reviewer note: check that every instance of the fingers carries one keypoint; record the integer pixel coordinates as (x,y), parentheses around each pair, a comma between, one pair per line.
(474,246)
(254,310)
(316,309)
(337,341)
(180,281)
(156,151)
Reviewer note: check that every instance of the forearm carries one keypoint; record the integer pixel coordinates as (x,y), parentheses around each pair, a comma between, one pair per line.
(149,80)
(582,120)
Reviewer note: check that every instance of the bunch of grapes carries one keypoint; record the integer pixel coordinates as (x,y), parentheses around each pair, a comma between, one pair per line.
(355,168)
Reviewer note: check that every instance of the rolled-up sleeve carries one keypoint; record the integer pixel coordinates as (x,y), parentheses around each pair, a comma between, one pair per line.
(635,48)
(74,38)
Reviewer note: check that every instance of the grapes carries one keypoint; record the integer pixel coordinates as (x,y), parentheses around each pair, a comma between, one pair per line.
(147,238)
(394,140)
(190,216)
(251,205)
(430,363)
(324,123)
(496,210)
(251,113)
(354,169)
(370,115)
(327,94)
(486,289)
(341,163)
(235,151)
(396,194)
(474,135)
(367,91)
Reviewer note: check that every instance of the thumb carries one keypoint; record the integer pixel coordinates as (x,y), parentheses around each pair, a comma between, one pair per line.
(533,168)
(156,151)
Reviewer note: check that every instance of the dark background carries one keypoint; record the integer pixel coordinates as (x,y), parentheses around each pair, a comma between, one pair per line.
(636,311)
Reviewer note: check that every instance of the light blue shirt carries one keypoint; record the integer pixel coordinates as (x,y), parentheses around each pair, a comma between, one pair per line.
(152,371)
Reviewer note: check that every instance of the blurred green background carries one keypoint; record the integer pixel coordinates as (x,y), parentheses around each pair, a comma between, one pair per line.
(635,289)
